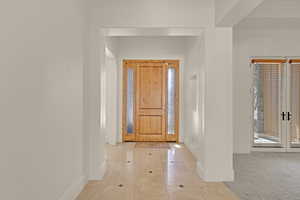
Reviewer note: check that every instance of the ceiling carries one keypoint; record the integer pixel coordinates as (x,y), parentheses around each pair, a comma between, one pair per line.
(277,9)
(274,13)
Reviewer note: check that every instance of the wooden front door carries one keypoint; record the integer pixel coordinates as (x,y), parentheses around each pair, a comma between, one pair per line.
(145,108)
(150,103)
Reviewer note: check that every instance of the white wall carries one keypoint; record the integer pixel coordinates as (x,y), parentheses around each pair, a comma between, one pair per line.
(41,77)
(193,93)
(208,103)
(217,138)
(255,42)
(111,105)
(93,100)
(223,7)
(155,13)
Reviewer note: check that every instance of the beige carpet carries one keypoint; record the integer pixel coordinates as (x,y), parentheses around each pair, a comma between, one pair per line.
(152,145)
(267,176)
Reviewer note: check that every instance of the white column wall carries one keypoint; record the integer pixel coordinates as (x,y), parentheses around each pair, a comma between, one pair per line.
(193,96)
(110,92)
(93,116)
(216,163)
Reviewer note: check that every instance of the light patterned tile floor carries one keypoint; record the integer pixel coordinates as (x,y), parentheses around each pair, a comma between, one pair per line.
(152,174)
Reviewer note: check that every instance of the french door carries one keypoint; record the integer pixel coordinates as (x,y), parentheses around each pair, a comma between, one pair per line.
(150,100)
(276,103)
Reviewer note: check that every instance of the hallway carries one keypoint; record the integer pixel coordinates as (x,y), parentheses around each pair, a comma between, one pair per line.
(152,172)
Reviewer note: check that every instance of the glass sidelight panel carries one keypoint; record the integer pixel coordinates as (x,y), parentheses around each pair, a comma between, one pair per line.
(294,114)
(130,101)
(267,103)
(171,88)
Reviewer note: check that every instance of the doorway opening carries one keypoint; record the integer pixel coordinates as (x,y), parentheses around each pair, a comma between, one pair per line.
(150,100)
(276,104)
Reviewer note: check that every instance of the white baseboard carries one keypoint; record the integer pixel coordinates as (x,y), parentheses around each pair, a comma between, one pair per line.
(77,186)
(74,189)
(270,149)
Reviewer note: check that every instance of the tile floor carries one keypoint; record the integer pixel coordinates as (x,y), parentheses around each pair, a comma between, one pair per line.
(152,174)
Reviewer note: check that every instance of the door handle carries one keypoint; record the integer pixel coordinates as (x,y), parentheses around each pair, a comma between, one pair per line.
(282,116)
(289,116)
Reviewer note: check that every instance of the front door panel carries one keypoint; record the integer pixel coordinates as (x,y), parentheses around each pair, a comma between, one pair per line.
(151,102)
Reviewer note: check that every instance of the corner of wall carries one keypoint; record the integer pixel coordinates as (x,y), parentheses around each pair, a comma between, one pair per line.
(200,169)
(216,176)
(241,149)
(99,173)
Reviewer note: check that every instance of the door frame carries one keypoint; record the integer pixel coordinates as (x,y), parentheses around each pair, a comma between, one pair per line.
(133,63)
(281,104)
(291,62)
